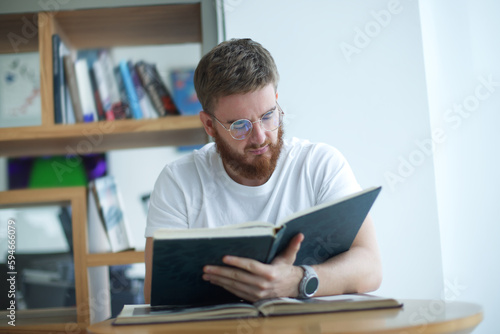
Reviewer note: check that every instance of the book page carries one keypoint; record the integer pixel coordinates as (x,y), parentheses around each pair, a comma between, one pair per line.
(146,314)
(346,302)
(237,230)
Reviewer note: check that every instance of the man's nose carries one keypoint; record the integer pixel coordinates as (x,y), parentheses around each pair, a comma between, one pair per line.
(258,134)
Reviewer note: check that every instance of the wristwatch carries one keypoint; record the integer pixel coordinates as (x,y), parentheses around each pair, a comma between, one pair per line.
(309,283)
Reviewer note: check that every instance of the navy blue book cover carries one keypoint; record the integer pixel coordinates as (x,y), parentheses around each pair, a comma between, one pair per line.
(58,72)
(329,230)
(178,268)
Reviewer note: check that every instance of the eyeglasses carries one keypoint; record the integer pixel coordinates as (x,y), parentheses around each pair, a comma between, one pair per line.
(242,128)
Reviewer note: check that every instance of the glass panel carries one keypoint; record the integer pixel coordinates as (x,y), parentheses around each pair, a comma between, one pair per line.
(126,286)
(36,258)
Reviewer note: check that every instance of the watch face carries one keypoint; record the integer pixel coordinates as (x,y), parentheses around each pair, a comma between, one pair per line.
(312,285)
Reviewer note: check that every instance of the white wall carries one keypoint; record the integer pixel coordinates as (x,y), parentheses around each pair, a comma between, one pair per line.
(462,51)
(371,104)
(135,172)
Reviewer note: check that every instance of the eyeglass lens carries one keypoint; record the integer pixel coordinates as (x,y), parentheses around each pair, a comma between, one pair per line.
(270,122)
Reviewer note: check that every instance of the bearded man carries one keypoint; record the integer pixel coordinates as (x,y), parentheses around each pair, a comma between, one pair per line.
(251,173)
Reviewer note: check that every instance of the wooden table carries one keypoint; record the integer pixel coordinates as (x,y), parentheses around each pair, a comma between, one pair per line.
(416,316)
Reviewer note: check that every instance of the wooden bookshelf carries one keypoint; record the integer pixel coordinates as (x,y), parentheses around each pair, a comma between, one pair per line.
(108,24)
(85,138)
(125,26)
(114,259)
(76,197)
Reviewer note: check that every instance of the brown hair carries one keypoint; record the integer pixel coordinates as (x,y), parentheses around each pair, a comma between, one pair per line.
(237,66)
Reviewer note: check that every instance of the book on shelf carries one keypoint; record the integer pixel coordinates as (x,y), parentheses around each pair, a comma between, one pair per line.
(98,238)
(184,92)
(116,109)
(98,242)
(103,88)
(85,91)
(92,89)
(70,113)
(122,93)
(145,314)
(146,78)
(59,50)
(180,255)
(156,89)
(91,56)
(89,87)
(71,82)
(133,99)
(109,206)
(101,114)
(144,100)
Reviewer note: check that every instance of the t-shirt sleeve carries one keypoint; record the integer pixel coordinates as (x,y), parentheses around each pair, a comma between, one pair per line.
(333,175)
(167,205)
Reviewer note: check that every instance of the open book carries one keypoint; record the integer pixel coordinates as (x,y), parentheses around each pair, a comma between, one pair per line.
(144,314)
(179,255)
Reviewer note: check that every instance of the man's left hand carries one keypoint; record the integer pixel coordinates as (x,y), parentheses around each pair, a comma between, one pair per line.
(253,280)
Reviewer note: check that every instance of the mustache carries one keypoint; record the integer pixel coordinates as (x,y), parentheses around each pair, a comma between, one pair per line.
(256,147)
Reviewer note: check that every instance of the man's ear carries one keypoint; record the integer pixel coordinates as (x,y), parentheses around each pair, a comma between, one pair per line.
(208,123)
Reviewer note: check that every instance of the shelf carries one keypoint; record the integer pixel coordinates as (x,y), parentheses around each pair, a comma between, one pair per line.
(125,26)
(129,23)
(95,28)
(106,27)
(114,259)
(97,137)
(36,319)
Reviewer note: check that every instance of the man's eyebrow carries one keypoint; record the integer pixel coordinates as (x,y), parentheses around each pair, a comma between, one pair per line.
(261,115)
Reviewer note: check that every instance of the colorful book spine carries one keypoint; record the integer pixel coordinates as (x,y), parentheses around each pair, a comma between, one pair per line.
(130,89)
(70,76)
(103,89)
(147,81)
(101,114)
(70,113)
(122,92)
(184,92)
(117,107)
(156,89)
(166,97)
(144,100)
(85,91)
(110,207)
(58,71)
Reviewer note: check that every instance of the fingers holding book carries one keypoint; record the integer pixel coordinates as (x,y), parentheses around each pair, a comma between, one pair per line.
(253,280)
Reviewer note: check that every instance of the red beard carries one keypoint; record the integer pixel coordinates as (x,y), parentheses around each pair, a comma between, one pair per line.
(261,168)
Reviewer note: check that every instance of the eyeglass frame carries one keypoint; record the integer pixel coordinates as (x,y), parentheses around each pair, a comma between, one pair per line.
(280,114)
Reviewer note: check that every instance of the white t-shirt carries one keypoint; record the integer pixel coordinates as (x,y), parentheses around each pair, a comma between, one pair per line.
(195,191)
